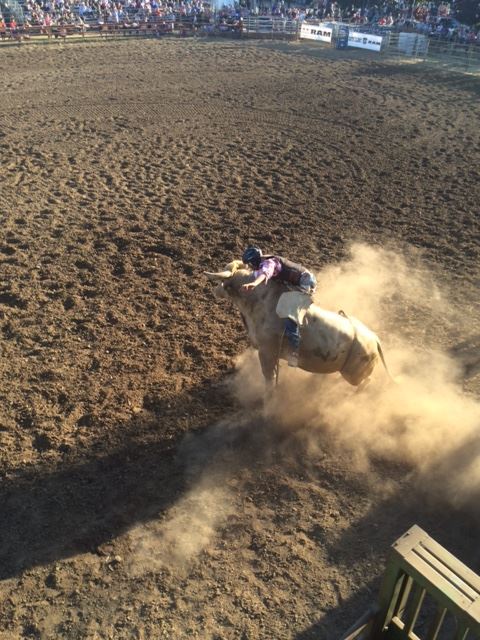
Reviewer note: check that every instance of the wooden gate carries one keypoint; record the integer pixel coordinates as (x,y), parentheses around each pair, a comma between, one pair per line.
(426,594)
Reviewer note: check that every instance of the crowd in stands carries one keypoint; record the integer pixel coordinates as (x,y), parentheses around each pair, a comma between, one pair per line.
(124,13)
(51,12)
(432,18)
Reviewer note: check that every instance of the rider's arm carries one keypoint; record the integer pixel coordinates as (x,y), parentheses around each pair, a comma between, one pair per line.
(268,268)
(258,280)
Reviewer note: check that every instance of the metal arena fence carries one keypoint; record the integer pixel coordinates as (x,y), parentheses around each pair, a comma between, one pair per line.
(271,27)
(455,55)
(381,41)
(400,45)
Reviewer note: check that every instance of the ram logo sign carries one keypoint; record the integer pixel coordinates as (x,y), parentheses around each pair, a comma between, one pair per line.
(316,32)
(364,40)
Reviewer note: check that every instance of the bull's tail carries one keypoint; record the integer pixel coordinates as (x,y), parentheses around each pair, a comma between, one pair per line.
(382,358)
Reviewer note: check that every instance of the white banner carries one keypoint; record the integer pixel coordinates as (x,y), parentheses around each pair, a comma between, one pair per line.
(364,40)
(316,32)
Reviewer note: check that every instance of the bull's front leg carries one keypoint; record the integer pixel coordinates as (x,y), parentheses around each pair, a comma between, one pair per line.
(268,357)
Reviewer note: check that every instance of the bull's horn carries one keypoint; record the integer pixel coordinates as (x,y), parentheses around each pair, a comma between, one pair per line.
(220,275)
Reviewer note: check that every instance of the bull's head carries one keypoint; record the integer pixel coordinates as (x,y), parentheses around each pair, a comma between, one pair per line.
(230,269)
(224,277)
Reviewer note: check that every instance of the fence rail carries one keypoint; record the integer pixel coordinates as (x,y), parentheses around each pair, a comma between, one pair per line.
(455,55)
(384,42)
(276,28)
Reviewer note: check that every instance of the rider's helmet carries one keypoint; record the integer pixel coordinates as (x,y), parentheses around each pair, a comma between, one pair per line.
(252,256)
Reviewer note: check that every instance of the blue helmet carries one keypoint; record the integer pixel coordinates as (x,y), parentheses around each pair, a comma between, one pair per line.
(252,256)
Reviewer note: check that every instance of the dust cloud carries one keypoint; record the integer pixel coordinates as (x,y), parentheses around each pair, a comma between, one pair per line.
(172,542)
(207,461)
(427,420)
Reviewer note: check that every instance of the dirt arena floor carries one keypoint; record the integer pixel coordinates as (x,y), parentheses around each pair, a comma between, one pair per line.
(145,490)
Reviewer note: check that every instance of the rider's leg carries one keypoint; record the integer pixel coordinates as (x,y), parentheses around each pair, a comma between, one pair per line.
(308,282)
(292,333)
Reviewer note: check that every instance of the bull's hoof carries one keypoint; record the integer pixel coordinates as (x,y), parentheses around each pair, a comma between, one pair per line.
(363,385)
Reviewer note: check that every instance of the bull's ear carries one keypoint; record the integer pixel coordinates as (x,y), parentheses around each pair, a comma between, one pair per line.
(220,275)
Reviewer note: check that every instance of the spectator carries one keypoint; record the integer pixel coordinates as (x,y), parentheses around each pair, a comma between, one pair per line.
(13,27)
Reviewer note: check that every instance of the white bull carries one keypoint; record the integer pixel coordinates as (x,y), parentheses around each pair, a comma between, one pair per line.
(330,342)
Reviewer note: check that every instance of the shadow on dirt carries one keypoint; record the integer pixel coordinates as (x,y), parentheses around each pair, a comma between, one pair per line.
(391,518)
(377,532)
(337,621)
(49,513)
(426,73)
(372,65)
(467,355)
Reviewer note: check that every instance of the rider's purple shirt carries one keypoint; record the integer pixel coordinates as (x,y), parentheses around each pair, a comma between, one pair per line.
(270,268)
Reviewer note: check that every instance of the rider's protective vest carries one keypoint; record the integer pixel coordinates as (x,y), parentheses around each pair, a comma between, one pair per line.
(291,271)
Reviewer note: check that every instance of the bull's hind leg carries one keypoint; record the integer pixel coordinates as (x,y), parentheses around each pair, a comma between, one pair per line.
(363,385)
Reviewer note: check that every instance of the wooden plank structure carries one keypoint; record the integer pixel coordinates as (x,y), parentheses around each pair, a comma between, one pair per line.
(424,583)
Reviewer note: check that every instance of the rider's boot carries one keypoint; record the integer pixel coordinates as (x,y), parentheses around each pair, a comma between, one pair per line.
(292,359)
(292,334)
